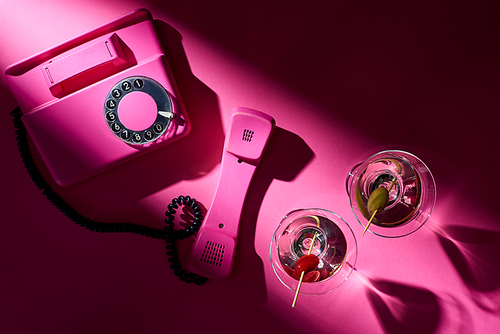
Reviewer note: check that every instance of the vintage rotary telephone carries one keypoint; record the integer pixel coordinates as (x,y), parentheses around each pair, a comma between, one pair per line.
(100,99)
(108,96)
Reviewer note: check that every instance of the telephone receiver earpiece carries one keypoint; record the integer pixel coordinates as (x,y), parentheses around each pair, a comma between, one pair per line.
(248,134)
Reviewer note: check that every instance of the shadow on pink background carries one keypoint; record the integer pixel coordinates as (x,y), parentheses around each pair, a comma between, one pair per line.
(343,80)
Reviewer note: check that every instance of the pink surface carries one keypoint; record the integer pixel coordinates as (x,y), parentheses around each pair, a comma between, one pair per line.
(343,80)
(127,111)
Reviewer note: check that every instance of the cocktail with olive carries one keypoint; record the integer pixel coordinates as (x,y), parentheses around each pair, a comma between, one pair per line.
(394,191)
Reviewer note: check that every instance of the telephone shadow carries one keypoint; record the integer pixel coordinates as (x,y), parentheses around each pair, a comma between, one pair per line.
(285,156)
(402,308)
(475,254)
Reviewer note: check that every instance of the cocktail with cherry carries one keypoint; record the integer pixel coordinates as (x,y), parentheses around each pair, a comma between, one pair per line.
(313,250)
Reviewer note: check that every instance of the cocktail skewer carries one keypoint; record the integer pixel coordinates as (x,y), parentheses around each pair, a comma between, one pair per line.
(303,272)
(369,222)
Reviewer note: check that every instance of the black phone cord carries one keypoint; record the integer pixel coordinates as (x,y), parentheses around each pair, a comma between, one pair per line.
(168,233)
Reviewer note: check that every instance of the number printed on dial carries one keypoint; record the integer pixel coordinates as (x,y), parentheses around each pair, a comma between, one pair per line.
(164,116)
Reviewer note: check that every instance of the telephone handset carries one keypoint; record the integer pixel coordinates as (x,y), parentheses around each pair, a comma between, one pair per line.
(215,246)
(100,99)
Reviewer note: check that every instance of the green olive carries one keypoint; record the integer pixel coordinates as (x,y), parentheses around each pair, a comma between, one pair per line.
(378,200)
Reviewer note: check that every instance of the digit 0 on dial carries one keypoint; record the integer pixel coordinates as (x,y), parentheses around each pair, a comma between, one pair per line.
(126,92)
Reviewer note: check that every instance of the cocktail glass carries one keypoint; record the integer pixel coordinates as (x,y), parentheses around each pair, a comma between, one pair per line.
(411,189)
(330,238)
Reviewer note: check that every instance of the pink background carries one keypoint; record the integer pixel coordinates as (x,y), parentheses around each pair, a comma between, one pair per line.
(343,80)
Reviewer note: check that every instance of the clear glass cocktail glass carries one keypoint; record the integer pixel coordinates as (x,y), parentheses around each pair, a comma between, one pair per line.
(412,193)
(334,244)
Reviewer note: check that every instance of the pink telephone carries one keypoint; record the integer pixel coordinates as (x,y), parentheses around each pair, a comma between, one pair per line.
(100,99)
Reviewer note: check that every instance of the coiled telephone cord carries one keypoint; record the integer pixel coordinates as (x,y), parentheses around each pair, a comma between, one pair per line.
(168,233)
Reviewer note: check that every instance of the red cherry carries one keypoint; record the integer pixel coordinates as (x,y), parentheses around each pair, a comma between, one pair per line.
(306,263)
(287,270)
(323,274)
(312,276)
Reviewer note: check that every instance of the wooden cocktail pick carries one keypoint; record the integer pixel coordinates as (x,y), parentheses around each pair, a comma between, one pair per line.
(304,271)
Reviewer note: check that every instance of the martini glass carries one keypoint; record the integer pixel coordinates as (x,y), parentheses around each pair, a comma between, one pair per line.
(319,232)
(411,189)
